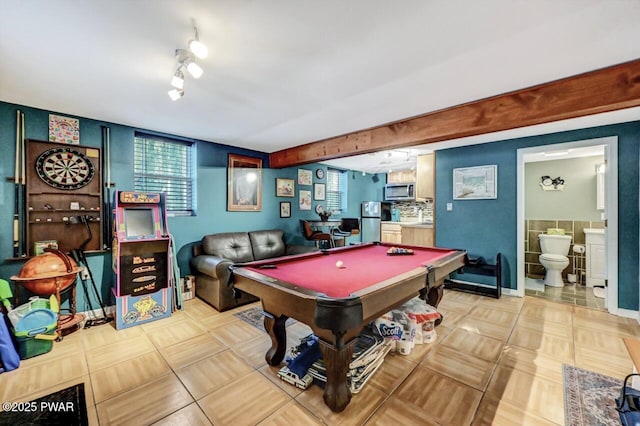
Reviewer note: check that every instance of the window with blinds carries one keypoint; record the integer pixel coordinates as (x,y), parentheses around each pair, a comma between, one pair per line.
(336,191)
(165,165)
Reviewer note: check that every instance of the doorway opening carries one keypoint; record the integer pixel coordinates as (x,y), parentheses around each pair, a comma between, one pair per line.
(539,211)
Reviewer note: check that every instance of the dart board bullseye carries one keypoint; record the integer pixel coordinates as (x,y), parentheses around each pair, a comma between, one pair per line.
(64,168)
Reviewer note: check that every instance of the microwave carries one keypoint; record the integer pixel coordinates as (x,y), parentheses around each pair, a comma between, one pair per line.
(400,191)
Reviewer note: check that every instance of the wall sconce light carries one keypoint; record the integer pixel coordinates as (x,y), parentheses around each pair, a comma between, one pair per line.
(186,59)
(548,184)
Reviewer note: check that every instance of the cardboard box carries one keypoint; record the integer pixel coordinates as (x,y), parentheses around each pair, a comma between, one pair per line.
(136,310)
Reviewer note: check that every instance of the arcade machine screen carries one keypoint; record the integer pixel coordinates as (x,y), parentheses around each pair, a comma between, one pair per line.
(138,222)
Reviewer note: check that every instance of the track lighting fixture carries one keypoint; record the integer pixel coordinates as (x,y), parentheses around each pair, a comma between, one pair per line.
(186,59)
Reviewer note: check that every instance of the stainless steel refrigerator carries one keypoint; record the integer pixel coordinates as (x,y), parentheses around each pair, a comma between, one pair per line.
(371,214)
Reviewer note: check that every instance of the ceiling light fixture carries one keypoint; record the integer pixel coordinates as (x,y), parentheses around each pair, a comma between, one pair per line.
(186,59)
(555,153)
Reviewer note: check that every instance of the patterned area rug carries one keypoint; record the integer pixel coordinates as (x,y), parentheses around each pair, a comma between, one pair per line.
(589,398)
(255,317)
(65,407)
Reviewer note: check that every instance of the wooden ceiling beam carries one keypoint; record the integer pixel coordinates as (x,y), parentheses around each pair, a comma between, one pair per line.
(608,89)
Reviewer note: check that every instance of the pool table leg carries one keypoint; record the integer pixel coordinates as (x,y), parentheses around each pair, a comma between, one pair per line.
(275,327)
(434,296)
(336,359)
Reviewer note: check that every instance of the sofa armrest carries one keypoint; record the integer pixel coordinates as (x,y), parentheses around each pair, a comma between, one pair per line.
(300,249)
(213,266)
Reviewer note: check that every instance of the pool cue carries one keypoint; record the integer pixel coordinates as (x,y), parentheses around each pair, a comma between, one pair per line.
(106,204)
(16,182)
(23,187)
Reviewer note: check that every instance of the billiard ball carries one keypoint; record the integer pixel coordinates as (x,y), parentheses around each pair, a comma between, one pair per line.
(339,264)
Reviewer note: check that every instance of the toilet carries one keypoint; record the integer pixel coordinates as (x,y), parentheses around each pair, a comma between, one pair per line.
(554,257)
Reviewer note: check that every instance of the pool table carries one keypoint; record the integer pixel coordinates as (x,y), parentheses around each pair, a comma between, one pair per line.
(337,302)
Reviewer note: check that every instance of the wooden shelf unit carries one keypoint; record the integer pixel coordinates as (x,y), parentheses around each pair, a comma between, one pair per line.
(47,205)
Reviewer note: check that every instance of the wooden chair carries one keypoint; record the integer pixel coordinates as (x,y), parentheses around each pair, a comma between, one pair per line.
(315,236)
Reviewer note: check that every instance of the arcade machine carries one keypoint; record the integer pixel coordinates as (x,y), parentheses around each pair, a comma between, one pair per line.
(141,262)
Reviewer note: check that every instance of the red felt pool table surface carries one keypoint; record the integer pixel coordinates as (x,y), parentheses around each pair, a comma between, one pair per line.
(364,266)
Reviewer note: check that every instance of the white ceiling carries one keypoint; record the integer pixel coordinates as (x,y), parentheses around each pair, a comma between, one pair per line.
(282,73)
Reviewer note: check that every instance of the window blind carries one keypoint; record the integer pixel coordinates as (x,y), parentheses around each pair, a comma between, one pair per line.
(336,190)
(165,165)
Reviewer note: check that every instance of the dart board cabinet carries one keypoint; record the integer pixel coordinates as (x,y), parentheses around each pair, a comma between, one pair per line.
(63,196)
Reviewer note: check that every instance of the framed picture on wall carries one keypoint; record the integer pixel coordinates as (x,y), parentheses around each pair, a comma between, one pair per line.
(285,209)
(244,183)
(475,183)
(304,177)
(285,187)
(305,200)
(319,191)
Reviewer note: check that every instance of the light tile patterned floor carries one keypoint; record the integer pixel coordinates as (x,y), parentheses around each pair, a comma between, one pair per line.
(494,362)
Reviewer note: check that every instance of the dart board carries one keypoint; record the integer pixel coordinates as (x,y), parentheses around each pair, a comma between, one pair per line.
(64,168)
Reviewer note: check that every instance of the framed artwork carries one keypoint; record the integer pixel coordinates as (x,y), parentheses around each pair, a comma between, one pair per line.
(64,129)
(285,187)
(304,177)
(475,183)
(305,200)
(244,183)
(285,209)
(318,191)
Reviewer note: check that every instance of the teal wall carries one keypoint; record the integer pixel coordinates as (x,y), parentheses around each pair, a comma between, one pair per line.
(485,227)
(211,214)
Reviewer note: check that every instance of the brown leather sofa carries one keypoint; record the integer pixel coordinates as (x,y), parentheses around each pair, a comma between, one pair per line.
(212,258)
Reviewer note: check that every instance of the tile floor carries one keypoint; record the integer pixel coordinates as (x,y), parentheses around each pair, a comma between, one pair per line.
(573,294)
(494,362)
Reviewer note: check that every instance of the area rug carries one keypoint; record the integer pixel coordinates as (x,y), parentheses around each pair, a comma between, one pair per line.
(65,407)
(255,317)
(589,398)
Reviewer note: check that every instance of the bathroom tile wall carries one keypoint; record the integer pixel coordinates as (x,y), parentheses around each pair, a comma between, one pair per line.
(575,228)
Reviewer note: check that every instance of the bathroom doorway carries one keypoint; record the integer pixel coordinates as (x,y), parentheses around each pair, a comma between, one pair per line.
(570,188)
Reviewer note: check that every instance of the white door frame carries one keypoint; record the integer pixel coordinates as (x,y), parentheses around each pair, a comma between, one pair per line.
(611,210)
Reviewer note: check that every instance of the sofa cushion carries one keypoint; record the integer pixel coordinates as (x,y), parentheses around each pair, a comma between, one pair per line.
(235,246)
(267,244)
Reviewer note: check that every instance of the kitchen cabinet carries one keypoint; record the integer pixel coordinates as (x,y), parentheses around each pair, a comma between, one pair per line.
(425,177)
(417,236)
(391,233)
(401,176)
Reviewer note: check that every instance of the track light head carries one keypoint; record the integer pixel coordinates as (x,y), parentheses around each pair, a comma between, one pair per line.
(186,59)
(194,69)
(197,47)
(178,79)
(175,94)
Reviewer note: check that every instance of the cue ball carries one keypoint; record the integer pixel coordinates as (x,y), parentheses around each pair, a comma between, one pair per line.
(339,264)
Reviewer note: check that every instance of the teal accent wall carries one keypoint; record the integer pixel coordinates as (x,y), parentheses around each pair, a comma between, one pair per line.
(485,227)
(211,192)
